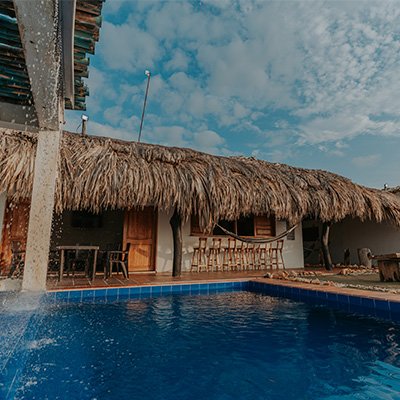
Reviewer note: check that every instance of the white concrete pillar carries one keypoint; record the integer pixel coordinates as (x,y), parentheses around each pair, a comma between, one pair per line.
(41,212)
(3,202)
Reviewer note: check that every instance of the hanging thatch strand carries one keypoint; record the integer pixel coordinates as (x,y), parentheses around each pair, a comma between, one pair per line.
(97,173)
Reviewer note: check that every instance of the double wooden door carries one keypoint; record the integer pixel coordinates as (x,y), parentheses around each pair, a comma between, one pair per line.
(140,230)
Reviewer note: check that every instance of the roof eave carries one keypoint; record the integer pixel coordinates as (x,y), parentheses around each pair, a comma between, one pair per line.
(68,9)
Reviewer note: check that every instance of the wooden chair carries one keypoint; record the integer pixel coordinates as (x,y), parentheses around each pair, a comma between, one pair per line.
(229,255)
(54,262)
(214,254)
(76,259)
(199,259)
(17,260)
(276,254)
(119,259)
(104,256)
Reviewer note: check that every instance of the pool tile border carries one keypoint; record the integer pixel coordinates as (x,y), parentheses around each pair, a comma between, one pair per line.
(137,292)
(334,297)
(370,304)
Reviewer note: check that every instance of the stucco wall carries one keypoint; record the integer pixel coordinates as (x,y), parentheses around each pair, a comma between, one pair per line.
(3,201)
(111,232)
(381,238)
(292,249)
(292,252)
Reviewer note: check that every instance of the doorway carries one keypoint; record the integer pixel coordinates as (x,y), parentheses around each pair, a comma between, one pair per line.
(140,230)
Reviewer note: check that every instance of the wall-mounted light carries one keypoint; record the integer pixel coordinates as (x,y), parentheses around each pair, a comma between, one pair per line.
(85,119)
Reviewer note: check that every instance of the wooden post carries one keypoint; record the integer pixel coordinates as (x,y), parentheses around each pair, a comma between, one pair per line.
(176,225)
(325,246)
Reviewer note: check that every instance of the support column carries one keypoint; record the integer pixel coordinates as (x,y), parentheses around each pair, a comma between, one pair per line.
(3,203)
(176,225)
(41,211)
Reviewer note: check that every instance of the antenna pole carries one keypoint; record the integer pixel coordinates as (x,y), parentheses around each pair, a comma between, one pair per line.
(148,74)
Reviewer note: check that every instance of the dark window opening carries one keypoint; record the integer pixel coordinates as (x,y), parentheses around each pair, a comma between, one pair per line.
(260,225)
(311,234)
(86,219)
(228,225)
(245,226)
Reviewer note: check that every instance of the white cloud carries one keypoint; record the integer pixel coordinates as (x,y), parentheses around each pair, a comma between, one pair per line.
(366,161)
(126,47)
(204,140)
(179,61)
(328,69)
(113,114)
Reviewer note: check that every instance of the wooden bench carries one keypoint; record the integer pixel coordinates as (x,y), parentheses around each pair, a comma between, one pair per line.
(388,264)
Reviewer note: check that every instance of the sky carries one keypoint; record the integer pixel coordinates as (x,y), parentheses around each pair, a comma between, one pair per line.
(313,84)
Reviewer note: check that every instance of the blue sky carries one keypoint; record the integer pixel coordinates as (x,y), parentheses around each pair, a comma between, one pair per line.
(311,84)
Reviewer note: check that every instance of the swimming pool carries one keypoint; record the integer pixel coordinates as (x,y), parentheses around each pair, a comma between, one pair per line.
(227,345)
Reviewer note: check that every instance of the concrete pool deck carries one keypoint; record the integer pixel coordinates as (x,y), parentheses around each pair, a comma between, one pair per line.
(368,294)
(135,280)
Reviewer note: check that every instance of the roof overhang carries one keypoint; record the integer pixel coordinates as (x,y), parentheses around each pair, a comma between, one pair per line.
(68,8)
(38,77)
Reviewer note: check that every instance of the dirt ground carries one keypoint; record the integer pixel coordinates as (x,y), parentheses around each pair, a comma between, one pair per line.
(367,280)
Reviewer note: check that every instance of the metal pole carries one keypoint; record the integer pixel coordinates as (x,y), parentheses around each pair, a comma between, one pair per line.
(148,74)
(84,122)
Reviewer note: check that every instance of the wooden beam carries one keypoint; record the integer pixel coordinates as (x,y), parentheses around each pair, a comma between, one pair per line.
(38,26)
(325,246)
(176,225)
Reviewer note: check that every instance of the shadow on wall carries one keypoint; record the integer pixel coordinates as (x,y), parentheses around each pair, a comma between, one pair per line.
(104,230)
(352,234)
(312,231)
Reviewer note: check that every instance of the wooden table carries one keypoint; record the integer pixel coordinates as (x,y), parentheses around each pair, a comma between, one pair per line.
(388,265)
(62,249)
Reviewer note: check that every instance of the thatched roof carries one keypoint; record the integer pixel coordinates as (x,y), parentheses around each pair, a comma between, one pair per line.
(99,173)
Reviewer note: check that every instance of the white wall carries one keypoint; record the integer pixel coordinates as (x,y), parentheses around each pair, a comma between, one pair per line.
(165,244)
(292,249)
(381,238)
(3,201)
(292,252)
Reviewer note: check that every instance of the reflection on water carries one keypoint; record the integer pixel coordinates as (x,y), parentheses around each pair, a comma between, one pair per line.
(224,346)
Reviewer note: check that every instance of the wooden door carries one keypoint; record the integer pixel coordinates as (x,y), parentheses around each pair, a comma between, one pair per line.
(15,229)
(140,230)
(264,226)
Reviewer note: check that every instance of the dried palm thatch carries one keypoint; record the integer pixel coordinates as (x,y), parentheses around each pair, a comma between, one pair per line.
(97,173)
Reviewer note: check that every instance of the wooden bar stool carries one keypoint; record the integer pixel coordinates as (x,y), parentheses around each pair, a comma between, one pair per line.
(229,254)
(250,256)
(240,256)
(276,254)
(214,253)
(257,263)
(263,256)
(199,259)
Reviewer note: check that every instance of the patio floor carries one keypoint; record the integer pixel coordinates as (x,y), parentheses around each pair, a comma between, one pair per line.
(148,279)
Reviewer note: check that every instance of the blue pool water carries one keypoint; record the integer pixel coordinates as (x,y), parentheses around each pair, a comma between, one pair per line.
(236,345)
